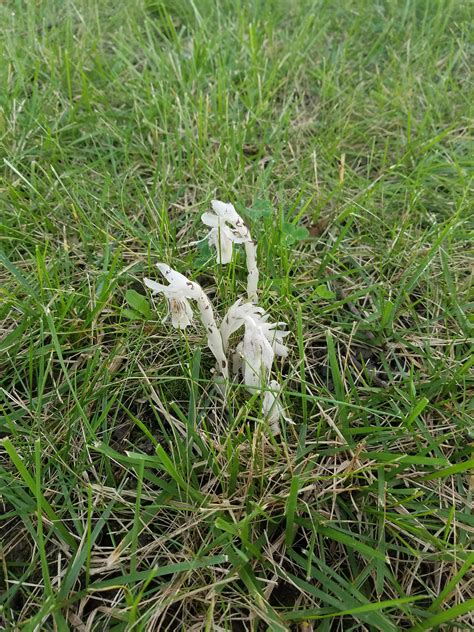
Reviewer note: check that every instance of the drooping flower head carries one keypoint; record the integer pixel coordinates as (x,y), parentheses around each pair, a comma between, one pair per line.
(177,293)
(227,228)
(262,341)
(257,355)
(235,318)
(241,313)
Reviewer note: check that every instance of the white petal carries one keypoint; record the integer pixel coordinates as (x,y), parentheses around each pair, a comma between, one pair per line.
(189,311)
(154,286)
(271,328)
(253,274)
(275,338)
(226,211)
(181,313)
(272,409)
(222,238)
(231,322)
(178,282)
(224,248)
(251,376)
(237,363)
(233,235)
(269,398)
(175,278)
(209,219)
(214,339)
(235,318)
(255,334)
(280,350)
(214,342)
(257,355)
(267,353)
(251,358)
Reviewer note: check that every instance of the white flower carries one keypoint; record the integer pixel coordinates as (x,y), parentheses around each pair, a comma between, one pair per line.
(177,293)
(274,336)
(247,313)
(227,228)
(235,318)
(257,355)
(260,344)
(226,211)
(179,290)
(272,409)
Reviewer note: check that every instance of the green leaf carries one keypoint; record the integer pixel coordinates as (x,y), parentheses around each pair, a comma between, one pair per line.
(446,615)
(204,251)
(131,314)
(260,209)
(175,474)
(387,314)
(43,503)
(300,232)
(169,569)
(224,525)
(314,614)
(138,303)
(324,292)
(28,289)
(354,543)
(449,471)
(10,339)
(451,585)
(338,381)
(294,233)
(417,410)
(290,510)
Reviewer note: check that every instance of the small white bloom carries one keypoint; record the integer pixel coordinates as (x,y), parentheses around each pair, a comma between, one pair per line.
(221,238)
(260,344)
(272,409)
(242,313)
(227,228)
(275,336)
(226,211)
(235,318)
(177,293)
(257,355)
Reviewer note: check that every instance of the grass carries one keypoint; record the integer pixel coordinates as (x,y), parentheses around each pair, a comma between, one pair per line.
(130,501)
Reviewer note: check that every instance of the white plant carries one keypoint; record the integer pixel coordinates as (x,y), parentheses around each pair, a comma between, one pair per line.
(227,228)
(224,224)
(272,408)
(262,340)
(178,293)
(235,318)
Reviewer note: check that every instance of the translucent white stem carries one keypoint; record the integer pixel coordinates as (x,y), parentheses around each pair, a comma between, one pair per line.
(225,334)
(214,339)
(232,321)
(272,408)
(252,276)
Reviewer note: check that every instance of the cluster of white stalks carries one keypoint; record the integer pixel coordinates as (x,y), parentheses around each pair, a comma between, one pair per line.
(253,356)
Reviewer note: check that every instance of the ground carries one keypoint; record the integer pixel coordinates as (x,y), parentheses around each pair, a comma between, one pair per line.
(132,497)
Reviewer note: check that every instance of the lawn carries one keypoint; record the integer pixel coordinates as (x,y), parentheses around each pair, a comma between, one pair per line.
(134,496)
